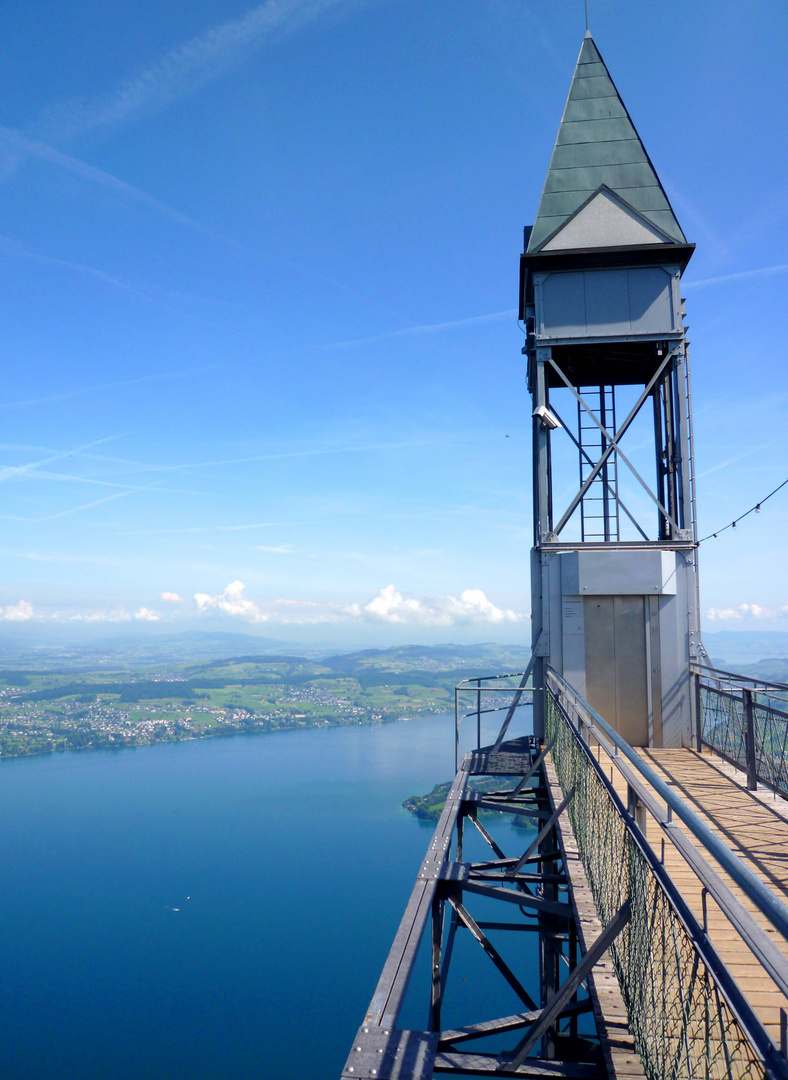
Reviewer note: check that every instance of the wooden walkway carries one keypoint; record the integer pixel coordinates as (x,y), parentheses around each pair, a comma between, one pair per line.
(754,825)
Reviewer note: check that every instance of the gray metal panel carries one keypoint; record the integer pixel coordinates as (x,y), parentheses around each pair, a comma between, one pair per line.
(650,571)
(555,611)
(573,641)
(607,302)
(616,663)
(630,647)
(600,658)
(650,300)
(674,617)
(562,304)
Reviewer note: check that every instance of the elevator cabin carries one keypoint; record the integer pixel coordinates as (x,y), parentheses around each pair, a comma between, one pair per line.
(614,561)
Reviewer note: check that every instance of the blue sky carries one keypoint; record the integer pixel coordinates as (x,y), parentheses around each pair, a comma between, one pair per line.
(258,280)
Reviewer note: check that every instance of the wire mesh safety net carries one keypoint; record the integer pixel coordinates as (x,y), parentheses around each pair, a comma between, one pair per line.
(681,1024)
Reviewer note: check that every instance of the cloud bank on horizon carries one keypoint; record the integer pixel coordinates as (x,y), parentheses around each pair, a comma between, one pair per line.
(389,606)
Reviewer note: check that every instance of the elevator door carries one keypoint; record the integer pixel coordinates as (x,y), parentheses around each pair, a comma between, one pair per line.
(616,674)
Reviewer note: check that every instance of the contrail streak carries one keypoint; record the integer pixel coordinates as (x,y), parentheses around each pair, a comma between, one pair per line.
(158,377)
(741,275)
(11,471)
(429,328)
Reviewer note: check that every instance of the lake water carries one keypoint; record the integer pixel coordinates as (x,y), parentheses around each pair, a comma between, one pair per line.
(208,909)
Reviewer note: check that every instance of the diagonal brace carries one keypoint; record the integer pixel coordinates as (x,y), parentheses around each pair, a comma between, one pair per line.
(551,1012)
(535,766)
(468,921)
(544,831)
(610,490)
(613,444)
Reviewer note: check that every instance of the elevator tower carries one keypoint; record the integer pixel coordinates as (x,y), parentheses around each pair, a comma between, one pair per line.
(614,561)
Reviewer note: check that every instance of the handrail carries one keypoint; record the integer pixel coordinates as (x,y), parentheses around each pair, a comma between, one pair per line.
(473,685)
(714,673)
(766,902)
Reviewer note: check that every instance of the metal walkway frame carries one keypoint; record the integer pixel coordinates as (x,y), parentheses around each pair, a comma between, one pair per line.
(532,891)
(687,1013)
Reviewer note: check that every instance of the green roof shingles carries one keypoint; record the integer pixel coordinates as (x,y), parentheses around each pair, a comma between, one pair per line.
(597,144)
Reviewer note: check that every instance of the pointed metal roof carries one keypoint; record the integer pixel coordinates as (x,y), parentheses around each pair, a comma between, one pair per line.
(598,145)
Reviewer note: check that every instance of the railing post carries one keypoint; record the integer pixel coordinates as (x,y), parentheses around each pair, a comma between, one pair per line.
(698,697)
(636,809)
(749,741)
(478,714)
(456,730)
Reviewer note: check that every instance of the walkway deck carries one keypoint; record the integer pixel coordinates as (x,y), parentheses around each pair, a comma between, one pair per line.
(755,826)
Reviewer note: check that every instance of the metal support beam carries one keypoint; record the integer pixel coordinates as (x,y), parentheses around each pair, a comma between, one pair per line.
(551,1013)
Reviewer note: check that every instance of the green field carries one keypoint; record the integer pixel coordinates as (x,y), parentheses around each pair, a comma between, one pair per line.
(58,708)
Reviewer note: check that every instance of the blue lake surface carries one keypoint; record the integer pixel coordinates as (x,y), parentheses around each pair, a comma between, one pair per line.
(208,909)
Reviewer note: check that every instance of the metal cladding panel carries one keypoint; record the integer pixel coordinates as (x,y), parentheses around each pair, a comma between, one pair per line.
(620,152)
(649,200)
(607,303)
(604,303)
(676,615)
(626,573)
(561,304)
(650,300)
(587,178)
(615,648)
(605,108)
(603,130)
(591,71)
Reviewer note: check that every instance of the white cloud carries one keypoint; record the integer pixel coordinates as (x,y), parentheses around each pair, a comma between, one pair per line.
(146,615)
(723,614)
(745,611)
(232,602)
(171,597)
(20,612)
(388,606)
(472,606)
(283,549)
